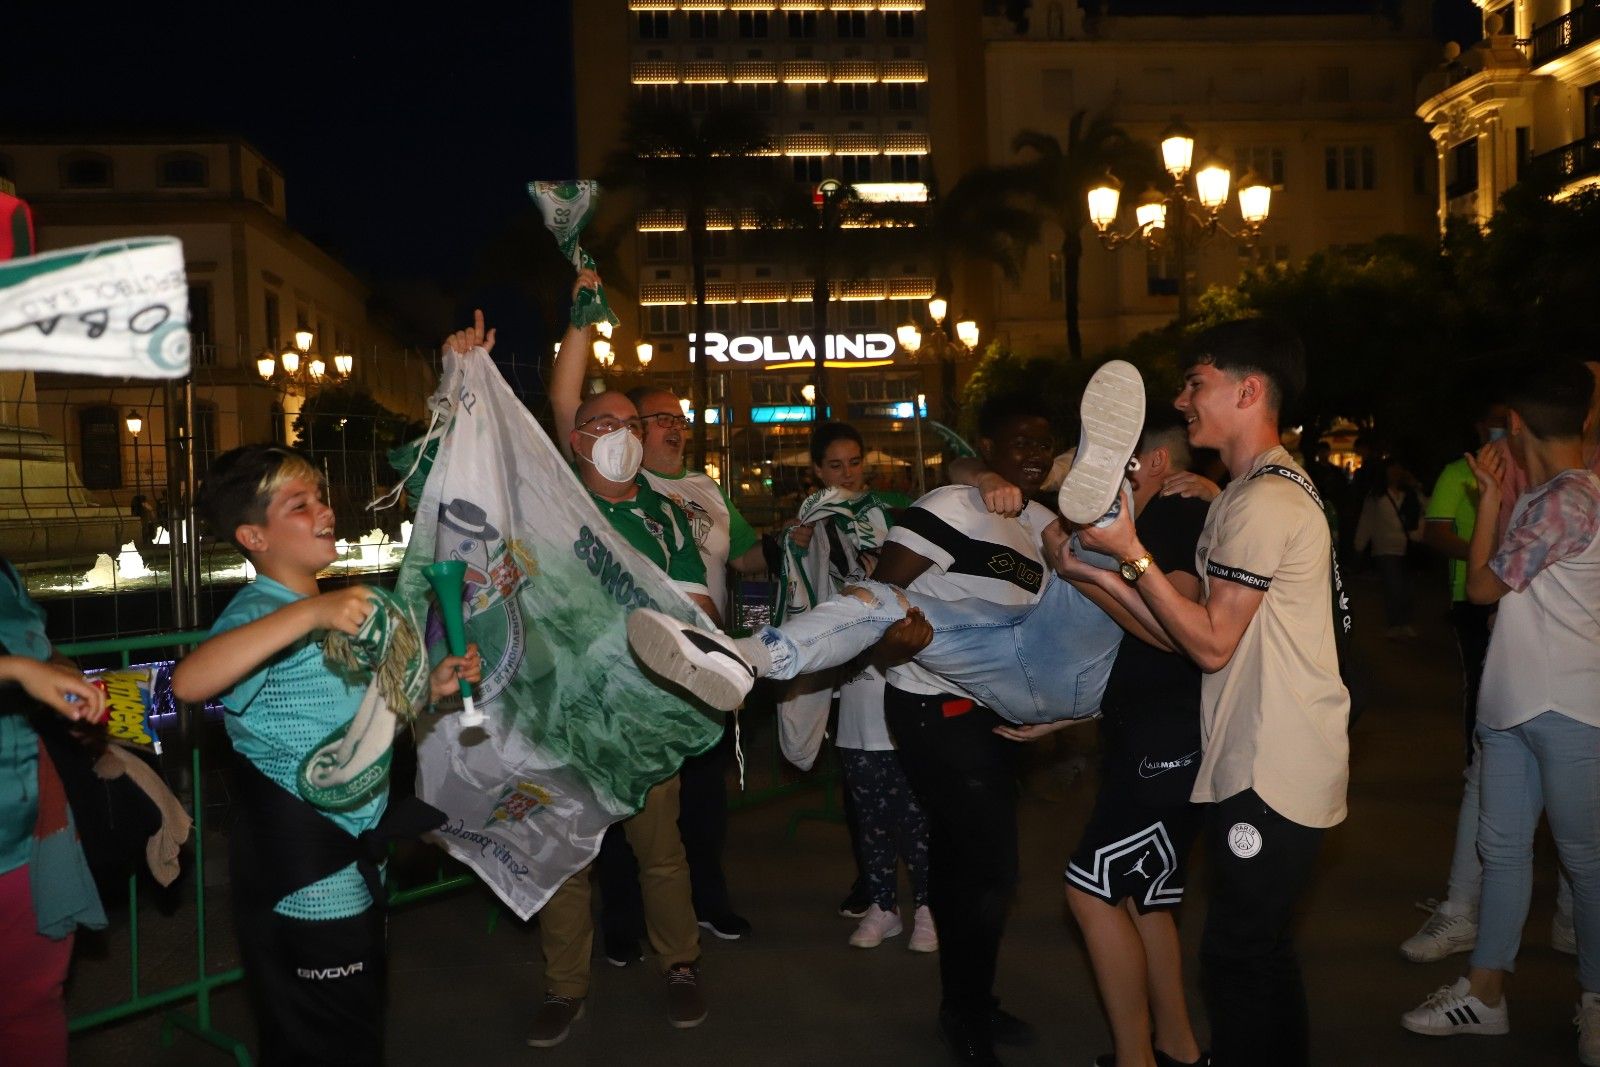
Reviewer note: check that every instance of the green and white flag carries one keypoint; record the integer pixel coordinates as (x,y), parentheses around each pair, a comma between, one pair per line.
(568,207)
(846,529)
(117,309)
(575,734)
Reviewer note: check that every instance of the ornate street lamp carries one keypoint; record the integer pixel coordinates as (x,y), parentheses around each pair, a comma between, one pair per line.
(646,352)
(1180,217)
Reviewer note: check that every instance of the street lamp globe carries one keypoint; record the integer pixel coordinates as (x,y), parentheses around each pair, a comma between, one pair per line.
(1177,149)
(937,307)
(302,339)
(344,363)
(1211,185)
(808,393)
(1255,199)
(1151,211)
(135,423)
(909,336)
(290,360)
(645,351)
(604,329)
(967,333)
(602,352)
(265,366)
(1103,198)
(317,369)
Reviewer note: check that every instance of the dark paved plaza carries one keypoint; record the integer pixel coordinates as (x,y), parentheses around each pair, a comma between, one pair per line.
(796,994)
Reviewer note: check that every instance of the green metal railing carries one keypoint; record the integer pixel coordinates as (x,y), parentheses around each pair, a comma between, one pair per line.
(197,1022)
(139,999)
(205,980)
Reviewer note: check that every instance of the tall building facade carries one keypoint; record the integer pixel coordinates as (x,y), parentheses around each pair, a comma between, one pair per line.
(880,95)
(254,285)
(1318,105)
(1525,98)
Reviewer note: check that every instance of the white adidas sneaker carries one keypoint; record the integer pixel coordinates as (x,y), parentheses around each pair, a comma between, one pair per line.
(702,661)
(1453,1010)
(1112,413)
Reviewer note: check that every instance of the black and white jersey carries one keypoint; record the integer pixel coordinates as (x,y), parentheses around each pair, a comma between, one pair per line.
(974,554)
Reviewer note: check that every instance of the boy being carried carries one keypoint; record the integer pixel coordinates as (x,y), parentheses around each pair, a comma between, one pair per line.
(310,931)
(1036,663)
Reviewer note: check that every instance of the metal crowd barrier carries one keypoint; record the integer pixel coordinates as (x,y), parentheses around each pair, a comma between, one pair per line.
(190,1000)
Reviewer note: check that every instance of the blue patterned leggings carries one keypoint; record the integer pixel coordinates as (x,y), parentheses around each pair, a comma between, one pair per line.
(892,824)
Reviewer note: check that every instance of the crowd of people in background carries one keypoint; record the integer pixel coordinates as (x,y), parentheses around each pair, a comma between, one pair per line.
(1208,555)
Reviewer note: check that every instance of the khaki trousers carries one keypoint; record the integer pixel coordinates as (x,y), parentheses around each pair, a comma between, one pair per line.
(566,925)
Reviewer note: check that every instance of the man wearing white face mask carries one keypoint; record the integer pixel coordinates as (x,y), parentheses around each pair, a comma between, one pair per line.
(603,440)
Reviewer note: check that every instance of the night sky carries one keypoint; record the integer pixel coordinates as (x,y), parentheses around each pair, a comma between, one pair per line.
(405,139)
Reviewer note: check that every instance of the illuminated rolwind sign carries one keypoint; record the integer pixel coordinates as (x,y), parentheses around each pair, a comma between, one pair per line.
(845,350)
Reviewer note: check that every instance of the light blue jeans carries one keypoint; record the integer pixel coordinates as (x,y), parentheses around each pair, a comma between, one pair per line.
(1466,869)
(1034,664)
(1550,763)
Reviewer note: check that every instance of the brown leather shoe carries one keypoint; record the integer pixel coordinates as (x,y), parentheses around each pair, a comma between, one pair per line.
(553,1021)
(686,1005)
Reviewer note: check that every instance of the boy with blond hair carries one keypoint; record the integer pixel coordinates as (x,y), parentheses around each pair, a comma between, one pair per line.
(305,879)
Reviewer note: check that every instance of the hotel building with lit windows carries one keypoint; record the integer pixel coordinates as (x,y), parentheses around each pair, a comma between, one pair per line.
(1524,99)
(881,95)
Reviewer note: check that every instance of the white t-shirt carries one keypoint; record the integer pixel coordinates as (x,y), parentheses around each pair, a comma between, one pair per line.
(709,519)
(974,554)
(1544,654)
(861,722)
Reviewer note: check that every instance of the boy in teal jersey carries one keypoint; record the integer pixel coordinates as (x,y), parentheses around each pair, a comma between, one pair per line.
(305,879)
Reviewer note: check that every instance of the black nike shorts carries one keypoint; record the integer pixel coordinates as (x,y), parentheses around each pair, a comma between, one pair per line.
(1143,824)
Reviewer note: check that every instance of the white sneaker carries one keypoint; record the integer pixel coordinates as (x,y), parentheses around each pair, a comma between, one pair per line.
(1588,1022)
(1112,412)
(924,938)
(1440,935)
(876,925)
(1563,938)
(702,661)
(1452,1010)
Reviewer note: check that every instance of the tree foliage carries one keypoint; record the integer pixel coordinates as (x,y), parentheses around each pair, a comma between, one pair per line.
(1408,337)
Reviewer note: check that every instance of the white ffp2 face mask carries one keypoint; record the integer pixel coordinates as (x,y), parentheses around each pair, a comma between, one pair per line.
(616,455)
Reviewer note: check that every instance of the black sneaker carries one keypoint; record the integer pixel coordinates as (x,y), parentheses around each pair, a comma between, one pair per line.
(968,1043)
(1163,1060)
(621,951)
(856,904)
(1007,1029)
(726,925)
(702,661)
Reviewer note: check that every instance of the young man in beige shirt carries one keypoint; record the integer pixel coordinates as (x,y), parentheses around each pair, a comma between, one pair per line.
(1274,714)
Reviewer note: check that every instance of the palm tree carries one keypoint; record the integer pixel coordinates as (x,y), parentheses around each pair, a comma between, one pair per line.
(695,163)
(1052,184)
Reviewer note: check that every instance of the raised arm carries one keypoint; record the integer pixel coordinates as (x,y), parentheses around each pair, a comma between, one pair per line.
(1483,585)
(566,376)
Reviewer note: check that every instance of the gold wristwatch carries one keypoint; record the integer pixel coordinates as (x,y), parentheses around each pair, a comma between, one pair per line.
(1133,569)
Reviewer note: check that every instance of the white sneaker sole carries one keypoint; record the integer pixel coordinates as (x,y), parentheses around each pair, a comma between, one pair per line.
(1112,411)
(868,943)
(1450,1029)
(658,641)
(1433,953)
(923,946)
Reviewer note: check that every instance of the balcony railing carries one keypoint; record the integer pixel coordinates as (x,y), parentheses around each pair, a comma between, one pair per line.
(1559,36)
(1580,159)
